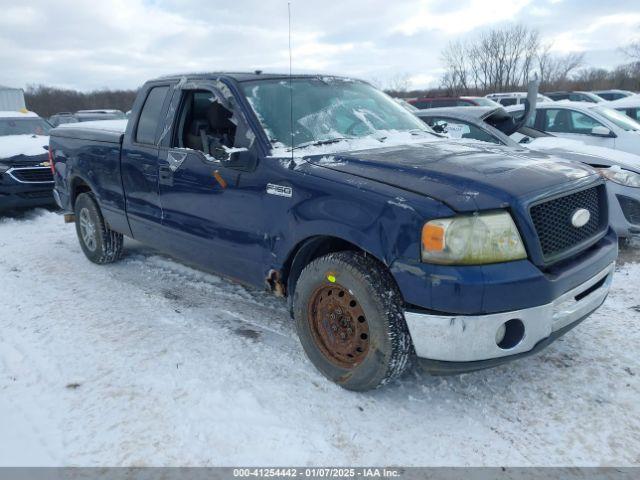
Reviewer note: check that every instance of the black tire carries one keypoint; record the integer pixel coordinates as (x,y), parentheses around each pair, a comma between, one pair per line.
(374,296)
(105,246)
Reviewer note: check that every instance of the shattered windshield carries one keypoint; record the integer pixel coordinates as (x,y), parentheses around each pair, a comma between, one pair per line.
(326,111)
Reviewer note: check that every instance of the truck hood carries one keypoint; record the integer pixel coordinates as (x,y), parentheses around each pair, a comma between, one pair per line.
(465,175)
(22,146)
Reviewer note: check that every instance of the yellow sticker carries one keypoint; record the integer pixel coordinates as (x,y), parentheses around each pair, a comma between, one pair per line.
(331,278)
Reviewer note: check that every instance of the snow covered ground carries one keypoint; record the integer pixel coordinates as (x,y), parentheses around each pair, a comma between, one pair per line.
(149,362)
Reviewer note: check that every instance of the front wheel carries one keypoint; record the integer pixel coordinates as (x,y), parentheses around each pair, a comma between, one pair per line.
(350,320)
(99,243)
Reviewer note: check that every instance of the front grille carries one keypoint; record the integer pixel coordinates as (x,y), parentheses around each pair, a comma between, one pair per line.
(31,175)
(630,209)
(552,220)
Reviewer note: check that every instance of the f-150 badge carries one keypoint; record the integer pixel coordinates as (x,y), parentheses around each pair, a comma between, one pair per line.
(279,190)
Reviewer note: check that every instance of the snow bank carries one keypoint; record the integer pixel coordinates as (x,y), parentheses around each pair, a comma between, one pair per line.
(29,145)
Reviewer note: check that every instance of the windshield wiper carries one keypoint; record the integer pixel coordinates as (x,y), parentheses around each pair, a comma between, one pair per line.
(316,143)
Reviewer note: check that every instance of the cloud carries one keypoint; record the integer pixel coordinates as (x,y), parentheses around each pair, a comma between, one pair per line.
(121,43)
(470,15)
(604,31)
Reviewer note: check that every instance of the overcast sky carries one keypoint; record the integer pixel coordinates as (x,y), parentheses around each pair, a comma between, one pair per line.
(121,43)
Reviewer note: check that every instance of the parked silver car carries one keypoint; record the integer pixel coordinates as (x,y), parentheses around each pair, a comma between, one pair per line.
(621,169)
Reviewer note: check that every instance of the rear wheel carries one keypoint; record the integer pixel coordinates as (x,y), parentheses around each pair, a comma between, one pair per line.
(99,243)
(350,320)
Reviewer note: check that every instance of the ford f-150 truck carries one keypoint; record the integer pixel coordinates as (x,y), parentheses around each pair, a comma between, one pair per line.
(389,241)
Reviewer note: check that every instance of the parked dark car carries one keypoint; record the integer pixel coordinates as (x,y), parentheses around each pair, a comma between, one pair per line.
(575,97)
(93,115)
(61,118)
(388,240)
(613,94)
(25,174)
(436,102)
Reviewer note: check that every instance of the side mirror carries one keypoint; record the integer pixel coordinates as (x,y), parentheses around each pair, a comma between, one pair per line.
(241,159)
(440,128)
(600,131)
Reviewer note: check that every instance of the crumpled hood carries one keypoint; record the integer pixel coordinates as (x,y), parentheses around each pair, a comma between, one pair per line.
(22,146)
(465,175)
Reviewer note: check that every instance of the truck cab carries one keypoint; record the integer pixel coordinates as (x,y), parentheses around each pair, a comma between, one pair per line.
(388,240)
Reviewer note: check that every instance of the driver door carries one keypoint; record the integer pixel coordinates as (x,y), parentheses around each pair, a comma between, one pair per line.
(211,210)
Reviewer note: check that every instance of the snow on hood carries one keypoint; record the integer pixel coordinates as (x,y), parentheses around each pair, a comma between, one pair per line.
(609,155)
(109,125)
(380,139)
(632,101)
(466,175)
(28,145)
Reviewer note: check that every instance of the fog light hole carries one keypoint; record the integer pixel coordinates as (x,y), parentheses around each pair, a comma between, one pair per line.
(510,334)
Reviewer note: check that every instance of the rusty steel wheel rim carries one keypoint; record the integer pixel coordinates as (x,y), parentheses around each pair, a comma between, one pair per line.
(338,325)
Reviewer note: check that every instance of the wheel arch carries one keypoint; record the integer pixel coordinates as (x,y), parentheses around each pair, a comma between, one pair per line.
(78,185)
(308,250)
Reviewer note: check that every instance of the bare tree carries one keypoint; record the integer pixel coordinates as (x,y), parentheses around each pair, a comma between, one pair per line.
(556,70)
(399,83)
(455,58)
(49,100)
(497,59)
(632,51)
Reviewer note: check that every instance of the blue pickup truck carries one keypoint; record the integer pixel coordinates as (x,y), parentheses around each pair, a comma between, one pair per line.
(390,242)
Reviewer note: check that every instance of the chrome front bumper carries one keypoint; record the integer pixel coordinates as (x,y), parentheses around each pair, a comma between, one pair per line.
(474,338)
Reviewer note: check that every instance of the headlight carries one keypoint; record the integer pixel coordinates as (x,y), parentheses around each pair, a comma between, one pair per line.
(472,240)
(621,176)
(4,168)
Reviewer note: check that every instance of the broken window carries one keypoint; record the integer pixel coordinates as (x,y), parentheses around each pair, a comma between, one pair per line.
(204,123)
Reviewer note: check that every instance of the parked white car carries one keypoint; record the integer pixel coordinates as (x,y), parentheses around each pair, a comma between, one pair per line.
(514,98)
(630,106)
(591,123)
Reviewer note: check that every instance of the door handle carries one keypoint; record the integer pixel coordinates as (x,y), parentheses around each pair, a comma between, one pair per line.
(165,175)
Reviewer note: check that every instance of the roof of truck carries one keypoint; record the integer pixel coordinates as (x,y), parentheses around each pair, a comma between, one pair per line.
(248,76)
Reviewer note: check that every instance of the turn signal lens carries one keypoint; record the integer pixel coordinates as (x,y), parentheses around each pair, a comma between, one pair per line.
(433,238)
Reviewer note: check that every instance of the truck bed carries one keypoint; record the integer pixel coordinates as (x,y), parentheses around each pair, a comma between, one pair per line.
(91,157)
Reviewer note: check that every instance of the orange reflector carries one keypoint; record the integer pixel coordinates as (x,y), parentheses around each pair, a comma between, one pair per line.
(219,179)
(433,238)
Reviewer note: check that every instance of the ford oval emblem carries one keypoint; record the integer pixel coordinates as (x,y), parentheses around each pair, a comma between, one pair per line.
(580,217)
